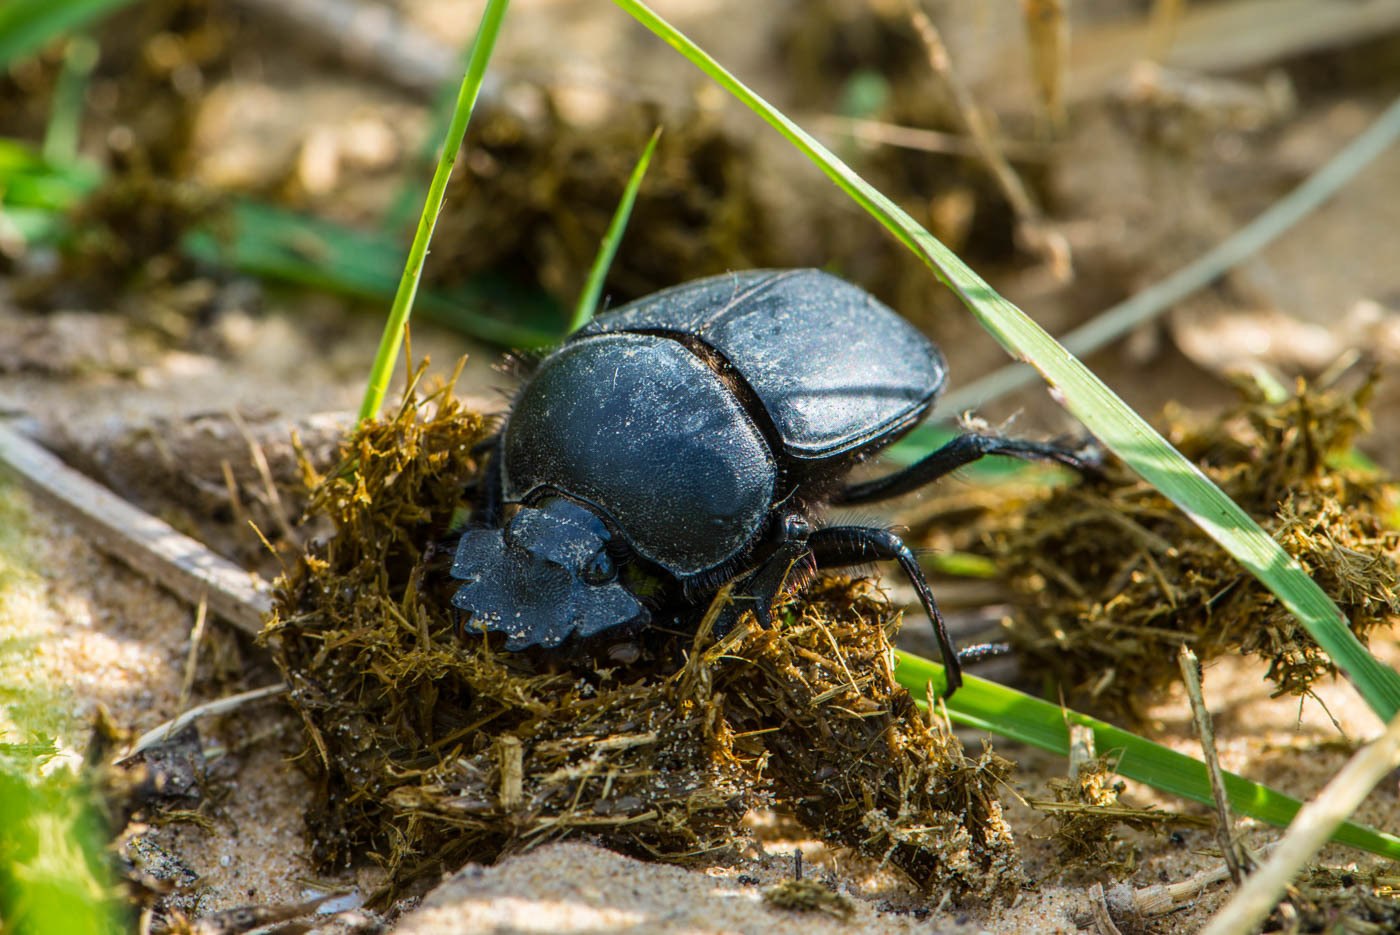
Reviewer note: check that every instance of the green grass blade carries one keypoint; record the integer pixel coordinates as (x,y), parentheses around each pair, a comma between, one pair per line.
(26,26)
(412,191)
(285,246)
(69,98)
(37,197)
(1085,395)
(991,707)
(28,180)
(607,250)
(388,352)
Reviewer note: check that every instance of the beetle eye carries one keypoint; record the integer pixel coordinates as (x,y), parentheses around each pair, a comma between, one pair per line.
(600,569)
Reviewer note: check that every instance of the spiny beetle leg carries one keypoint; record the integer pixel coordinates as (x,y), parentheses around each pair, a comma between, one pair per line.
(835,546)
(962,451)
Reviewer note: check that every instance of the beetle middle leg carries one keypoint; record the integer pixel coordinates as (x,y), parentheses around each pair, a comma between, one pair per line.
(960,452)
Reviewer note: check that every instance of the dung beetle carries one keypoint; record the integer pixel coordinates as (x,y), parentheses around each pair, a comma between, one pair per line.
(692,438)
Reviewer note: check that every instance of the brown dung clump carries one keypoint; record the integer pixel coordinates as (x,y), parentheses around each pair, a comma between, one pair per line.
(536,188)
(1088,814)
(429,750)
(809,896)
(1112,578)
(1085,822)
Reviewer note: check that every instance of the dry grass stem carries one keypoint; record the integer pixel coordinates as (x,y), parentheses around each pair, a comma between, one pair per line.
(1047,27)
(1309,831)
(1205,730)
(1035,232)
(171,728)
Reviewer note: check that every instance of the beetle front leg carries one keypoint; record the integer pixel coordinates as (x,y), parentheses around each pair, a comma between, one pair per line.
(960,452)
(770,579)
(489,500)
(836,546)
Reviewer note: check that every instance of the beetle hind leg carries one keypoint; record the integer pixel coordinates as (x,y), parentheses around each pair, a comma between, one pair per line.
(962,451)
(837,546)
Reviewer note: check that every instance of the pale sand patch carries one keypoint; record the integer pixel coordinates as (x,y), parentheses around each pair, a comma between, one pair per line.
(78,630)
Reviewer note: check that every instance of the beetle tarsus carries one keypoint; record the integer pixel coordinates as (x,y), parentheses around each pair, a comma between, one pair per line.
(765,584)
(978,652)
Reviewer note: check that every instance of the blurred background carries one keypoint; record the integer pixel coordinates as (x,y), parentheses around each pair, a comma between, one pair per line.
(210,200)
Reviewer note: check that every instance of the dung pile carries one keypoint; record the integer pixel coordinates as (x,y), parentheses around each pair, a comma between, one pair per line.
(1089,816)
(536,188)
(1112,578)
(429,750)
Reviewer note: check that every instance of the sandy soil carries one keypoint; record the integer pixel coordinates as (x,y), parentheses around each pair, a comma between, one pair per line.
(102,635)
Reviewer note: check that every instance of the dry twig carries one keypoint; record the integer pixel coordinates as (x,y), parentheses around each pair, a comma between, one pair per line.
(1224,823)
(1037,233)
(1098,905)
(148,545)
(1047,27)
(172,727)
(201,616)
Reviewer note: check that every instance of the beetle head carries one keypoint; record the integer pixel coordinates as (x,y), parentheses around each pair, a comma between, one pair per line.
(544,577)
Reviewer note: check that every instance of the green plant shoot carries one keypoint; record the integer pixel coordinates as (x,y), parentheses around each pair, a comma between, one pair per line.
(388,353)
(593,287)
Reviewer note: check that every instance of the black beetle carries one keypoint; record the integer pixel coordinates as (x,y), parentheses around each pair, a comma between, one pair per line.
(690,438)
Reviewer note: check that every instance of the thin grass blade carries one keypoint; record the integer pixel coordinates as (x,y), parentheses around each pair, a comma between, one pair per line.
(388,352)
(991,707)
(69,98)
(26,26)
(412,191)
(607,250)
(1111,420)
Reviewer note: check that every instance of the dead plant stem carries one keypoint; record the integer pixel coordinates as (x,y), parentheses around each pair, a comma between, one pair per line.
(1309,831)
(1225,823)
(1039,236)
